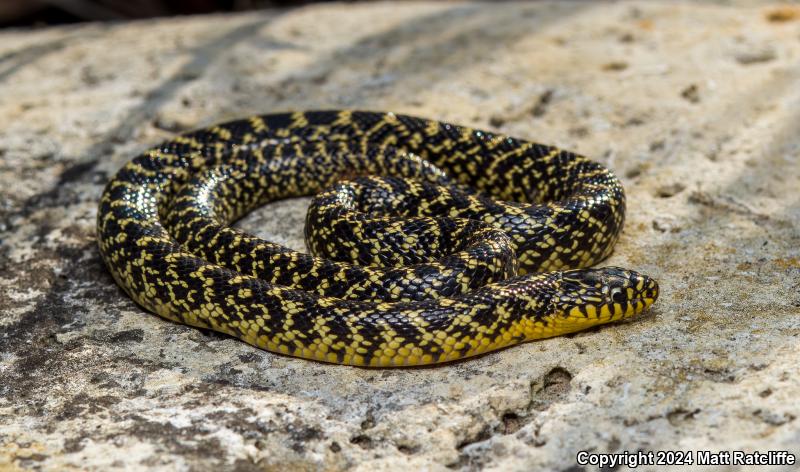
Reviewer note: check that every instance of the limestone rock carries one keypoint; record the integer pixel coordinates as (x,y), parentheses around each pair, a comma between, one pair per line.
(88,380)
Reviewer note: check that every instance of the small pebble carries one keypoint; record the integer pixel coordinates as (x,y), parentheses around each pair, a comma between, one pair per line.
(691,94)
(670,190)
(615,66)
(755,55)
(783,14)
(666,225)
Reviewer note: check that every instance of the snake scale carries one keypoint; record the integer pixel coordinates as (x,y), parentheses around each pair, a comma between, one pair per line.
(432,242)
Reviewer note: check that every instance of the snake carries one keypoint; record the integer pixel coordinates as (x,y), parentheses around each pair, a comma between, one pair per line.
(429,241)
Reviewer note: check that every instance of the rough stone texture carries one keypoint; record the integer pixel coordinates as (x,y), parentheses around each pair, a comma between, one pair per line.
(696,106)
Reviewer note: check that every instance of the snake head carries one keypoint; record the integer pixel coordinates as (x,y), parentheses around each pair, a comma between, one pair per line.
(603,295)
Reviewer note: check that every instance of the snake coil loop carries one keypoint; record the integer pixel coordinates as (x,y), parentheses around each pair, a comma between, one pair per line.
(444,242)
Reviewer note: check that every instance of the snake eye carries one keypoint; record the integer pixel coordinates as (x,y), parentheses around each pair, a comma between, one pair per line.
(618,296)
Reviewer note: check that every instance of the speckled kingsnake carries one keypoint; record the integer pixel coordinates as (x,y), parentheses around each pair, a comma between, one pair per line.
(420,264)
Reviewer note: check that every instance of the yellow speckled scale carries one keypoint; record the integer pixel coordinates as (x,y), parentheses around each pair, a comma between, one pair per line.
(430,242)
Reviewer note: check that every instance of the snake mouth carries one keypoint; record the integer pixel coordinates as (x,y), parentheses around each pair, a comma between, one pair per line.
(607,294)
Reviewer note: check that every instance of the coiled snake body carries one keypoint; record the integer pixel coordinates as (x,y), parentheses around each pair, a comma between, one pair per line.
(445,242)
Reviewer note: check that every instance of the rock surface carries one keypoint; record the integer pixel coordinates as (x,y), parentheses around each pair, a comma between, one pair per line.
(695,106)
